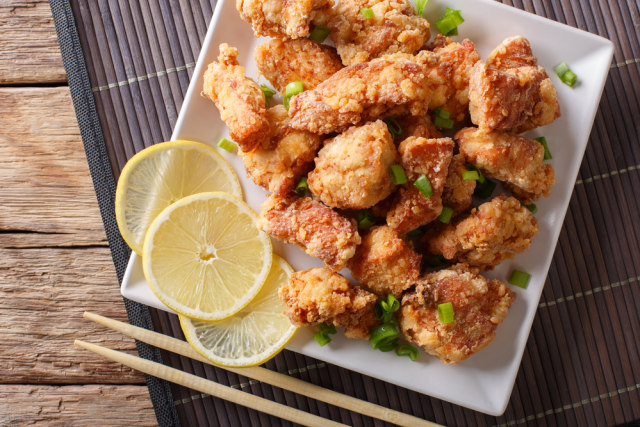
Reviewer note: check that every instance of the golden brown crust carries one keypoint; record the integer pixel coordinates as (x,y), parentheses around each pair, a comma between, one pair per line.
(458,192)
(360,92)
(494,232)
(385,263)
(479,306)
(284,61)
(282,18)
(421,126)
(419,156)
(280,168)
(314,227)
(319,295)
(513,159)
(239,99)
(394,28)
(352,169)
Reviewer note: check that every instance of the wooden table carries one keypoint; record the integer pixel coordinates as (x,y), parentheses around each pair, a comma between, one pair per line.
(54,258)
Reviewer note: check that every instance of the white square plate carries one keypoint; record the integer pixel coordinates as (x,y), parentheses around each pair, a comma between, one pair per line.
(484,382)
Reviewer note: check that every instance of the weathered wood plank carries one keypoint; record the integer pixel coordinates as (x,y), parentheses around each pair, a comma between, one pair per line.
(87,405)
(46,185)
(29,51)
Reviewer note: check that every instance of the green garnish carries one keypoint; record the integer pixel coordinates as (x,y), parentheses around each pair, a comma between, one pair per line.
(394,127)
(407,350)
(322,336)
(267,91)
(445,215)
(319,33)
(442,118)
(485,189)
(448,24)
(567,76)
(471,167)
(531,206)
(420,5)
(471,176)
(384,337)
(520,279)
(445,312)
(385,309)
(423,184)
(367,12)
(227,145)
(418,231)
(365,219)
(547,154)
(302,187)
(398,177)
(291,90)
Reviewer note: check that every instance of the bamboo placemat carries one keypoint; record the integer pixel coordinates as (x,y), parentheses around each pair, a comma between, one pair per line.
(129,65)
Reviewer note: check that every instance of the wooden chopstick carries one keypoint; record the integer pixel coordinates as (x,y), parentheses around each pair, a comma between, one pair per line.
(265,375)
(210,387)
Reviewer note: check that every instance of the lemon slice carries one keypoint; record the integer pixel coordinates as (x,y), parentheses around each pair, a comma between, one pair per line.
(162,174)
(253,335)
(204,257)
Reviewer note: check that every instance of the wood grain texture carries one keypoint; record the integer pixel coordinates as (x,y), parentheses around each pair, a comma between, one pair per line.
(26,405)
(29,51)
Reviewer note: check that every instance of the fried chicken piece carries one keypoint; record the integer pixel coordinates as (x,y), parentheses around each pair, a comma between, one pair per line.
(510,91)
(421,126)
(513,159)
(280,168)
(285,61)
(314,227)
(385,263)
(361,92)
(395,27)
(239,99)
(450,78)
(479,306)
(496,231)
(352,169)
(319,295)
(282,18)
(458,193)
(419,156)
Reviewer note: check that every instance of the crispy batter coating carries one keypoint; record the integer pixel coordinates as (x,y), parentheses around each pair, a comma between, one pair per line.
(395,27)
(458,193)
(479,306)
(282,18)
(319,295)
(488,235)
(430,157)
(508,157)
(352,169)
(280,168)
(314,227)
(385,263)
(450,78)
(239,99)
(510,91)
(360,92)
(284,61)
(421,126)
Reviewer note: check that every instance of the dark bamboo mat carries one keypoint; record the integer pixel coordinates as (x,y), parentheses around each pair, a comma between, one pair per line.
(581,365)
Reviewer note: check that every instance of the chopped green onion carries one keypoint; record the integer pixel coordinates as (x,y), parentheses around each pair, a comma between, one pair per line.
(485,189)
(418,231)
(520,279)
(322,339)
(319,33)
(471,176)
(420,5)
(532,207)
(268,92)
(547,154)
(383,336)
(449,22)
(384,309)
(291,90)
(227,145)
(439,112)
(445,312)
(566,75)
(407,350)
(398,177)
(394,127)
(423,184)
(471,167)
(388,346)
(322,336)
(302,187)
(442,119)
(436,261)
(367,12)
(445,215)
(365,220)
